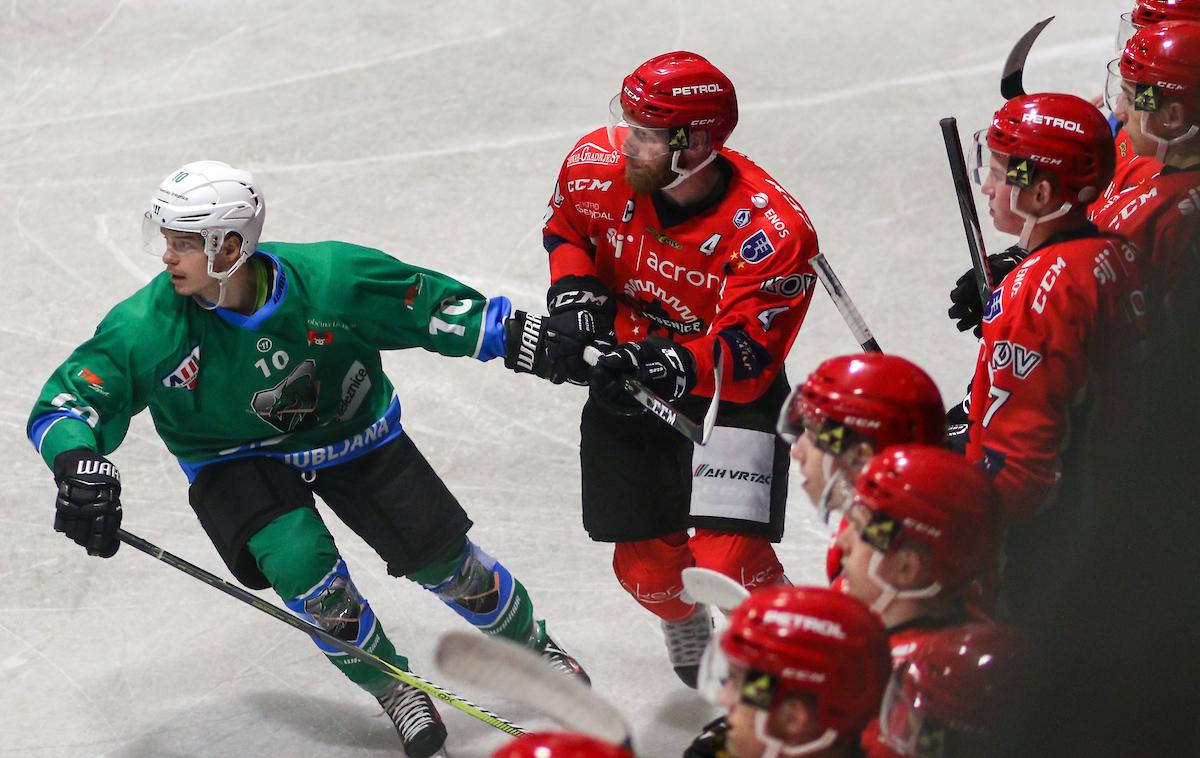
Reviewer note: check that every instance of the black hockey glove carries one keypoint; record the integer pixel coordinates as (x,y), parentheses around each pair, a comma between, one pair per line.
(525,346)
(666,368)
(966,307)
(958,425)
(88,507)
(582,311)
(711,742)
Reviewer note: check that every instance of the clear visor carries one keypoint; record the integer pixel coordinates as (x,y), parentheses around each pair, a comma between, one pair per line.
(1125,30)
(900,716)
(790,425)
(979,157)
(640,142)
(1118,92)
(716,671)
(157,239)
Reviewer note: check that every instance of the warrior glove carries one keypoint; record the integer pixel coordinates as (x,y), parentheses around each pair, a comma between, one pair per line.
(88,506)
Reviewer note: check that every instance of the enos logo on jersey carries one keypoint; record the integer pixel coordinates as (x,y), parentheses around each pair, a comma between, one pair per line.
(186,372)
(757,248)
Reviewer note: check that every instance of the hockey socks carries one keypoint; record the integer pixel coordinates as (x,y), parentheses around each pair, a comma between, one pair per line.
(481,590)
(297,555)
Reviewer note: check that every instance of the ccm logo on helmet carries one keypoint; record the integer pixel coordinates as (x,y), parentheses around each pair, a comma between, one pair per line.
(822,627)
(696,89)
(1046,160)
(1055,121)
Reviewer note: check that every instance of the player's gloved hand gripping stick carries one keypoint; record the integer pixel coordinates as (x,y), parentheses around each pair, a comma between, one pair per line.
(697,433)
(429,688)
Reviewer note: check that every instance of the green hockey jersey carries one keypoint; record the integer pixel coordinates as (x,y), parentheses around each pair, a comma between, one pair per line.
(300,379)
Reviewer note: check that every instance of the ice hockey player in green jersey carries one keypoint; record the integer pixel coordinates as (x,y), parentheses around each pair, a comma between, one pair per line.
(260,365)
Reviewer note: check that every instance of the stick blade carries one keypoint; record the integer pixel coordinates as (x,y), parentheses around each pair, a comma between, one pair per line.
(1011,81)
(517,673)
(713,588)
(710,417)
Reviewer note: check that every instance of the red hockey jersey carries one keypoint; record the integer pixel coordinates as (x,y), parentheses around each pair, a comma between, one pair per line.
(737,270)
(1133,170)
(1161,217)
(1063,318)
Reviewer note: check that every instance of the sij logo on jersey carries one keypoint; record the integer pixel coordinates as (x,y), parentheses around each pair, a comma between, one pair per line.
(741,218)
(186,372)
(410,294)
(757,247)
(90,377)
(320,339)
(993,309)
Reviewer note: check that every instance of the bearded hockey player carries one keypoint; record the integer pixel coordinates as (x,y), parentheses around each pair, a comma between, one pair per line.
(260,365)
(666,242)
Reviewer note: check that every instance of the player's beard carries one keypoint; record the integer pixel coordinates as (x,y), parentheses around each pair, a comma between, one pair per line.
(648,177)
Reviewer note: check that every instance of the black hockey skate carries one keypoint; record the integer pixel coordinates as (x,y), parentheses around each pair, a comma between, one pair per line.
(686,641)
(560,659)
(416,720)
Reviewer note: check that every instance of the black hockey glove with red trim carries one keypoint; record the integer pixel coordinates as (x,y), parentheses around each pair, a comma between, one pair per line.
(88,506)
(664,367)
(966,307)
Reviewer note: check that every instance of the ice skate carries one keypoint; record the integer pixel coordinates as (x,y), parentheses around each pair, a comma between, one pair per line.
(686,641)
(416,720)
(560,659)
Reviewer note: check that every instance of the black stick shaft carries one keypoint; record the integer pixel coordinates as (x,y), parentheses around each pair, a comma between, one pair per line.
(966,207)
(376,662)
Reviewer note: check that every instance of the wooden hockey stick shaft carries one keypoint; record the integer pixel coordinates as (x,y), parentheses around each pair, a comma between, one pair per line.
(429,688)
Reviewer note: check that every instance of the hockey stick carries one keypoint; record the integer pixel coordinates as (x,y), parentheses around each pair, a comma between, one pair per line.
(1011,83)
(713,588)
(697,433)
(515,672)
(845,306)
(409,678)
(966,207)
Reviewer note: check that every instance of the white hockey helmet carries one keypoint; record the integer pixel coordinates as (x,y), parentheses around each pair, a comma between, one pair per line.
(212,199)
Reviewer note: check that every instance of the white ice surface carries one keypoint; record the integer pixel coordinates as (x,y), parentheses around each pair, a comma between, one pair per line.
(432,130)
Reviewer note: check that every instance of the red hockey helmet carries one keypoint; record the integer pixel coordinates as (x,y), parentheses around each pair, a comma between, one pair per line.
(1162,61)
(681,91)
(811,641)
(877,398)
(559,745)
(953,689)
(920,495)
(1062,136)
(1151,12)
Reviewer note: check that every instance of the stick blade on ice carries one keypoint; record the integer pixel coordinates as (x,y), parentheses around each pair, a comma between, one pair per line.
(713,588)
(518,674)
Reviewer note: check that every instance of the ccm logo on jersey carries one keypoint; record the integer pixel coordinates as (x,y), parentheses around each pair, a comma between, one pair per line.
(186,372)
(583,185)
(1022,360)
(823,627)
(1055,121)
(757,247)
(1047,284)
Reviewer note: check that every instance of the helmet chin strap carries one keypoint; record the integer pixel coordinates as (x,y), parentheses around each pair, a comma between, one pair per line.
(222,281)
(1030,219)
(684,173)
(890,591)
(775,746)
(832,478)
(1163,145)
